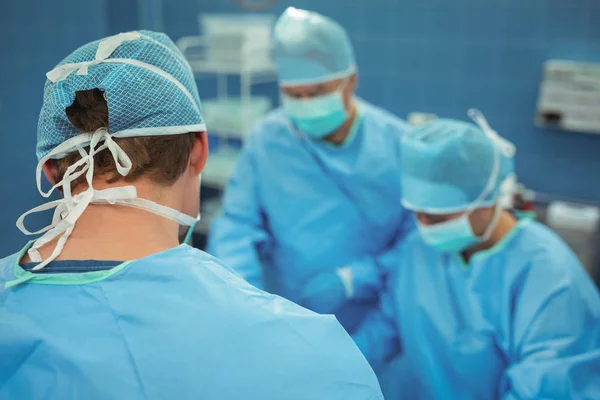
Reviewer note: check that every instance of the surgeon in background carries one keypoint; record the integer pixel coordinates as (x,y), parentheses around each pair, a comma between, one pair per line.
(484,306)
(313,202)
(107,304)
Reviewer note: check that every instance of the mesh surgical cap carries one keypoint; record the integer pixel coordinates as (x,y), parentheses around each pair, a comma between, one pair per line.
(310,48)
(147,83)
(450,166)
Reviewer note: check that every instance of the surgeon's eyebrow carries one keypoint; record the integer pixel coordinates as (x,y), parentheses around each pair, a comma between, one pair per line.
(321,88)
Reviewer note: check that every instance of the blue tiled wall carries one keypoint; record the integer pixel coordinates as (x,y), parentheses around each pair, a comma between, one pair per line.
(439,56)
(34,36)
(444,56)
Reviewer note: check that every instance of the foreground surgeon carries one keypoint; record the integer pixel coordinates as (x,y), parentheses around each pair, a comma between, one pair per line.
(313,200)
(107,304)
(484,306)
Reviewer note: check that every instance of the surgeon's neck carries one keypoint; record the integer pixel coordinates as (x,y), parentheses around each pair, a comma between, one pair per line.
(118,233)
(339,136)
(506,222)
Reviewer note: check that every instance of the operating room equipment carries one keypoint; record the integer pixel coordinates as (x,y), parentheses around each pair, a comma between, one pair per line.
(569,96)
(418,118)
(579,226)
(231,45)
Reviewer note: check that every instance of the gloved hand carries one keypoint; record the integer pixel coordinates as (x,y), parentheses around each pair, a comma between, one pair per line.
(328,291)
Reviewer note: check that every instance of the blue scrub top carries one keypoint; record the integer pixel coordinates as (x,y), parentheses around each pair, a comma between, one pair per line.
(177,324)
(296,207)
(521,320)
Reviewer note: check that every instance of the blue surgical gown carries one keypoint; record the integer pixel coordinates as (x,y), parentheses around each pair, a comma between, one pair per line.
(174,325)
(296,207)
(520,321)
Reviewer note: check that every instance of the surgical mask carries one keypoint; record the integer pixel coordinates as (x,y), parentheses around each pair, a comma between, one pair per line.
(318,116)
(70,208)
(457,234)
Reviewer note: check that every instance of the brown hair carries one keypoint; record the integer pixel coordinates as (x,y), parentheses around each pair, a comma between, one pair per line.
(161,158)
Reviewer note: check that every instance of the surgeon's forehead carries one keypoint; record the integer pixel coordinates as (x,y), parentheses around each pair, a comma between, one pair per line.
(315,87)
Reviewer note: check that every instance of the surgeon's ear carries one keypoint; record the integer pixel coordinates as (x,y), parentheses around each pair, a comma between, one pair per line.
(353,83)
(49,169)
(349,90)
(199,153)
(480,219)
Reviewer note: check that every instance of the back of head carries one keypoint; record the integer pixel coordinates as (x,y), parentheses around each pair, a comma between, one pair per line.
(119,108)
(310,48)
(448,165)
(160,159)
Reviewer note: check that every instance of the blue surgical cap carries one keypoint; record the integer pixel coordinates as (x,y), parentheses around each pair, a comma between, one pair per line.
(147,83)
(449,166)
(310,48)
